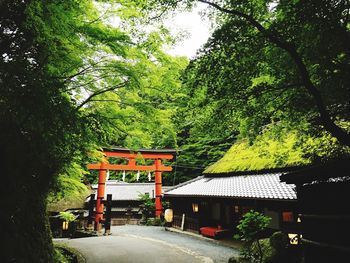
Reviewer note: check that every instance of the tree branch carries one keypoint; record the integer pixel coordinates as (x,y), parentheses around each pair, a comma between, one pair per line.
(83,70)
(342,136)
(116,101)
(101,92)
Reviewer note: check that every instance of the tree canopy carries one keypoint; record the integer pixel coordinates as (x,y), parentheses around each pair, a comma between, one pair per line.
(58,59)
(270,71)
(277,61)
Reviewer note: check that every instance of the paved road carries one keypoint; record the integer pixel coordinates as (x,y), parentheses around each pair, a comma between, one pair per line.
(150,245)
(204,247)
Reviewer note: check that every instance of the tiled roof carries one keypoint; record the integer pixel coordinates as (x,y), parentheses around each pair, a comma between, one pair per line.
(128,191)
(261,186)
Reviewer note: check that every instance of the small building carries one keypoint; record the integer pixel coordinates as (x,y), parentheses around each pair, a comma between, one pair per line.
(323,199)
(126,200)
(221,200)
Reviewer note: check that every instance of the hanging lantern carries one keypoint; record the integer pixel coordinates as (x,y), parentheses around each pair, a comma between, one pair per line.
(65,225)
(168,215)
(123,176)
(149,176)
(138,176)
(195,207)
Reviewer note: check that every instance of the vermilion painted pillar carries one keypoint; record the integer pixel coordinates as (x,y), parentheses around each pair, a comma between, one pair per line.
(100,195)
(158,183)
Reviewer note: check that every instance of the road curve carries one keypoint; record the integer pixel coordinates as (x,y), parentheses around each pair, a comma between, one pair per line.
(133,249)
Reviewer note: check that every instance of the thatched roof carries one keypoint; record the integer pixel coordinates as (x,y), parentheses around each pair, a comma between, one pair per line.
(76,201)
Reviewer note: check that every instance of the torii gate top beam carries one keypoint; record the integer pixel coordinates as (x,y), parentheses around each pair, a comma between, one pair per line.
(115,152)
(138,155)
(166,154)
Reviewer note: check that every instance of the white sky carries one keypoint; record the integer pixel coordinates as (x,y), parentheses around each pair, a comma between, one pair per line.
(196,27)
(190,25)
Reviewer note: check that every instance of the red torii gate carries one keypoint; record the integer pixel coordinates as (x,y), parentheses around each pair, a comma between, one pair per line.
(102,167)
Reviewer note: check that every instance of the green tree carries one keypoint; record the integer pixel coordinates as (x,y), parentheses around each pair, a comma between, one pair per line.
(148,206)
(251,227)
(277,61)
(56,59)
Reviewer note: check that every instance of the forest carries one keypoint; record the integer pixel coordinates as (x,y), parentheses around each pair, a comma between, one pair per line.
(270,88)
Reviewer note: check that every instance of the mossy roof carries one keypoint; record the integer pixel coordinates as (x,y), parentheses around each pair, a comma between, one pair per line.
(263,155)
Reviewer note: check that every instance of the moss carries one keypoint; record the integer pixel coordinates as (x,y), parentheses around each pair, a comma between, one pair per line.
(76,201)
(269,151)
(66,254)
(59,256)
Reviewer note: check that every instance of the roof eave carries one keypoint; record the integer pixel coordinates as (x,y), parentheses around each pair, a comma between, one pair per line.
(231,197)
(318,172)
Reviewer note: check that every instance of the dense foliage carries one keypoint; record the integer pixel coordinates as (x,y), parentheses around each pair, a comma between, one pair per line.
(271,62)
(148,206)
(273,76)
(279,149)
(250,228)
(58,59)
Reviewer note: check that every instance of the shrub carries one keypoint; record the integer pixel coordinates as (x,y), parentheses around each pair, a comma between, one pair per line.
(67,216)
(279,243)
(154,222)
(250,227)
(58,256)
(266,249)
(148,205)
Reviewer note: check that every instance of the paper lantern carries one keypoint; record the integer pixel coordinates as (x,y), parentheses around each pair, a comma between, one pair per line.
(168,215)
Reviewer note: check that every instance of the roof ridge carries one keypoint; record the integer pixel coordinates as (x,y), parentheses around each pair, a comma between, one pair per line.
(130,183)
(255,172)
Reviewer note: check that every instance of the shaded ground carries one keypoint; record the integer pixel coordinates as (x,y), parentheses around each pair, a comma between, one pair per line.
(150,244)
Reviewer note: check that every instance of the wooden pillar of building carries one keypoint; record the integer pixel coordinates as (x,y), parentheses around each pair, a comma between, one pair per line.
(100,195)
(158,186)
(107,222)
(91,211)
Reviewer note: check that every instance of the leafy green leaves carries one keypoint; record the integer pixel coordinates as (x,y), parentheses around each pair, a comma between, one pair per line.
(252,225)
(67,216)
(279,147)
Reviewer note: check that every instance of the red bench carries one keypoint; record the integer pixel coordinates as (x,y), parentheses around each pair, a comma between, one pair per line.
(215,232)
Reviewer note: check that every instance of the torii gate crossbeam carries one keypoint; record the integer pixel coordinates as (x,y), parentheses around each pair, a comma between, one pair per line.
(157,167)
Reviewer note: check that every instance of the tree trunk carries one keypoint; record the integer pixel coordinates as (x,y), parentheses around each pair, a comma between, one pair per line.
(261,255)
(25,181)
(26,235)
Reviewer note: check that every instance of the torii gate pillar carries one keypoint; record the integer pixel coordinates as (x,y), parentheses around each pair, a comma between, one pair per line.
(158,186)
(102,174)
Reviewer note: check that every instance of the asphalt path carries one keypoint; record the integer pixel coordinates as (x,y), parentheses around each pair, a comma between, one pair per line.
(147,244)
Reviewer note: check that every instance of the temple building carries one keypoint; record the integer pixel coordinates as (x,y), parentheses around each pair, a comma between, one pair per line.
(219,201)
